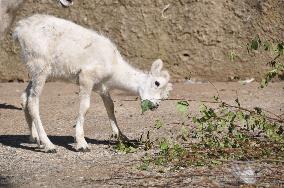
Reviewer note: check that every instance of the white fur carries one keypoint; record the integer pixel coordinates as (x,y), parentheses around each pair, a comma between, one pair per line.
(57,48)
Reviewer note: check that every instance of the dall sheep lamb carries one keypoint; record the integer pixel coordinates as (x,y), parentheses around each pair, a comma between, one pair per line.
(57,48)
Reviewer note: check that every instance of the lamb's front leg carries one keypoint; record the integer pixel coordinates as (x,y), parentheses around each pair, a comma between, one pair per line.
(33,107)
(110,111)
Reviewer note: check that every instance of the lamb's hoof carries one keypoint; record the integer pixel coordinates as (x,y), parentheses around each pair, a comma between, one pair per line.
(82,147)
(50,151)
(49,148)
(84,150)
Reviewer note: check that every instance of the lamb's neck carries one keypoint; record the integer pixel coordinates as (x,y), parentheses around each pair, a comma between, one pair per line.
(128,78)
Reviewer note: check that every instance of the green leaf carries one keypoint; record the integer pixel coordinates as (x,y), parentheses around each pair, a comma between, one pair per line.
(194,119)
(254,45)
(158,124)
(146,105)
(144,166)
(280,48)
(125,148)
(216,98)
(202,108)
(184,133)
(164,145)
(182,106)
(267,46)
(263,83)
(271,74)
(258,110)
(232,55)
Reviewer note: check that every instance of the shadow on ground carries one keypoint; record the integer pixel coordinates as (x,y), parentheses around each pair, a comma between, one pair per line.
(5,181)
(8,106)
(17,141)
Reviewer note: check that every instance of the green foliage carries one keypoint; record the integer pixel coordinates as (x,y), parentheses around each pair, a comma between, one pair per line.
(277,66)
(146,162)
(182,107)
(277,70)
(280,48)
(146,105)
(233,133)
(147,143)
(237,130)
(169,153)
(125,147)
(232,55)
(184,134)
(225,127)
(227,132)
(267,46)
(159,124)
(254,44)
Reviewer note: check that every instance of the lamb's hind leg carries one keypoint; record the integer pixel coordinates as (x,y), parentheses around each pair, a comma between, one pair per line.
(110,111)
(38,82)
(33,132)
(86,85)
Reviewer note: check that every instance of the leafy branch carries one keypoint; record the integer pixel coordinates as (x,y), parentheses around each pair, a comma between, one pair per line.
(228,132)
(276,65)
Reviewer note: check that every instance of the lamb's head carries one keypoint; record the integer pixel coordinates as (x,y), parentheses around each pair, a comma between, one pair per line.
(157,86)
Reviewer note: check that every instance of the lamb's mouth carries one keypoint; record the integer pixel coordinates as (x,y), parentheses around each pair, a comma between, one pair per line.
(154,107)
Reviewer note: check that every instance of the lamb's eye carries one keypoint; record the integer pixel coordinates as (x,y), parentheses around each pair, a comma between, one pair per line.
(157,83)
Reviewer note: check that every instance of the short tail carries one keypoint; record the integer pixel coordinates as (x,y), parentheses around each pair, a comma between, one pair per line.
(21,27)
(17,31)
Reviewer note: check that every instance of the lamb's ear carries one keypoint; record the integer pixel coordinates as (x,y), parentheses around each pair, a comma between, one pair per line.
(157,67)
(165,74)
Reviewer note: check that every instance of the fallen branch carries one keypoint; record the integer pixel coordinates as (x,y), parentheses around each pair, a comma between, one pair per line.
(277,118)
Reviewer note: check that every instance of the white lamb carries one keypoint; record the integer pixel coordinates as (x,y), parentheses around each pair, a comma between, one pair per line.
(57,48)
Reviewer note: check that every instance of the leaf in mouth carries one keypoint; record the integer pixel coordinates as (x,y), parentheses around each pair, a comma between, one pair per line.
(146,105)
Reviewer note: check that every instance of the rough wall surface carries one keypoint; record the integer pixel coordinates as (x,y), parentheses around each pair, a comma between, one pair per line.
(8,9)
(193,37)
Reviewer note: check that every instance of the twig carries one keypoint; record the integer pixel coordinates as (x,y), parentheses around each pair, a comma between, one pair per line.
(218,94)
(278,117)
(271,160)
(128,100)
(191,100)
(274,59)
(174,99)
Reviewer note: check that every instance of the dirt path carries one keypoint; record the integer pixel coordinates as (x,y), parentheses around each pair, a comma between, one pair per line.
(22,165)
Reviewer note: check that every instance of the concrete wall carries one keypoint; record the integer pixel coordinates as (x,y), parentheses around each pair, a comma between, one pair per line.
(8,10)
(193,37)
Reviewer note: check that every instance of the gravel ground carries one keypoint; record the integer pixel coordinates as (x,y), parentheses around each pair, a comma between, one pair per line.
(23,165)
